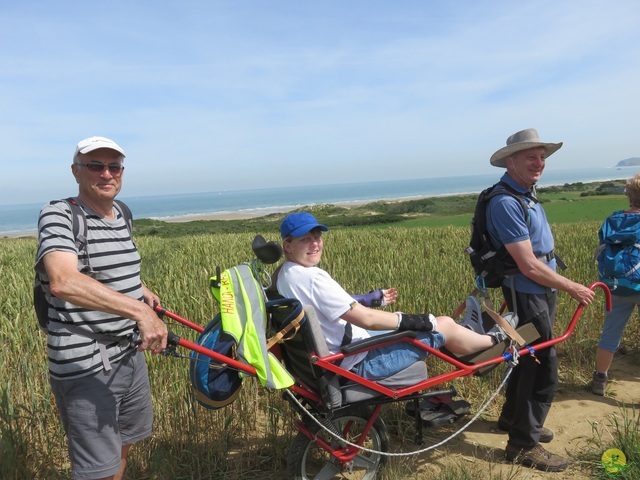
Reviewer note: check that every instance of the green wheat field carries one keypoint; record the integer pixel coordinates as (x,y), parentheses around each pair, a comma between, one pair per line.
(249,439)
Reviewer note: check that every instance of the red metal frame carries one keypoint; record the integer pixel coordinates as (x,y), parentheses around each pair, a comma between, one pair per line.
(348,453)
(345,455)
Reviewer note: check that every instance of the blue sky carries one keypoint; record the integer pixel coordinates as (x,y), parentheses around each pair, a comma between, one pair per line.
(211,95)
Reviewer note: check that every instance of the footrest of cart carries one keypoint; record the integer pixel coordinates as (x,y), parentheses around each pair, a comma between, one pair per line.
(528,332)
(435,413)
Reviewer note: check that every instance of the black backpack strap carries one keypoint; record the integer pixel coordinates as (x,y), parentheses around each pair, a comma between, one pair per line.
(559,262)
(272,289)
(79,222)
(80,231)
(125,211)
(347,338)
(502,188)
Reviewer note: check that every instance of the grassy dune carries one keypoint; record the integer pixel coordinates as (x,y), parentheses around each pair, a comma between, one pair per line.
(569,203)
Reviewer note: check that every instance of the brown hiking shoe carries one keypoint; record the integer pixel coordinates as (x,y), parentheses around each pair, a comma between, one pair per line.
(536,457)
(546,435)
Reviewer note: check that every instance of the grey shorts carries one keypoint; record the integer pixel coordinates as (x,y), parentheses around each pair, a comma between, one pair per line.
(103,412)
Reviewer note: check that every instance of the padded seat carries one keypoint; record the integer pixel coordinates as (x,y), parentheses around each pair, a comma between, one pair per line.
(413,374)
(310,338)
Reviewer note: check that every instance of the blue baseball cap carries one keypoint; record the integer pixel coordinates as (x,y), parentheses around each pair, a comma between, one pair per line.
(299,224)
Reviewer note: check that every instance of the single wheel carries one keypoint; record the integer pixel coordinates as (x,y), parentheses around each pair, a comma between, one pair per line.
(307,461)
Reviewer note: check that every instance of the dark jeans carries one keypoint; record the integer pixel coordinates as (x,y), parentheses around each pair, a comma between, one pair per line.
(532,385)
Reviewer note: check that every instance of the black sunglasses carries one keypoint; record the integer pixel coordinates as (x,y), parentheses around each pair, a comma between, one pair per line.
(97,167)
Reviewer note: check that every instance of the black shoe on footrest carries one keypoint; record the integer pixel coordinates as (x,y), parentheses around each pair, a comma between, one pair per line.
(436,414)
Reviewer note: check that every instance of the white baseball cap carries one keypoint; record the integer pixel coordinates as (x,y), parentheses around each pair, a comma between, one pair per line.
(93,143)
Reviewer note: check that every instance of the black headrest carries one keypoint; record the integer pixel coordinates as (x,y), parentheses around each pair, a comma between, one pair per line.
(267,252)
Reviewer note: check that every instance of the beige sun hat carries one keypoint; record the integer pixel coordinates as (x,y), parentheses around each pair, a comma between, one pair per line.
(519,141)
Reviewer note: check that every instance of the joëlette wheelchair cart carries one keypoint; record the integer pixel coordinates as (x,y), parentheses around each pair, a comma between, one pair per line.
(340,430)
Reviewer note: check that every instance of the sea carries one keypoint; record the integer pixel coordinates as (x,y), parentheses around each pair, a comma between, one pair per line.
(21,219)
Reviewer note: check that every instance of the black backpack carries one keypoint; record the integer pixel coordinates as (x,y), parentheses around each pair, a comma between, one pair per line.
(79,222)
(491,265)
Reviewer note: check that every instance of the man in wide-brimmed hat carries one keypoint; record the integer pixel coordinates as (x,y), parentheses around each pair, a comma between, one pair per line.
(531,293)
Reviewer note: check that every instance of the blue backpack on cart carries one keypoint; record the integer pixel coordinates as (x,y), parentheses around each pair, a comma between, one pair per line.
(239,331)
(215,384)
(618,255)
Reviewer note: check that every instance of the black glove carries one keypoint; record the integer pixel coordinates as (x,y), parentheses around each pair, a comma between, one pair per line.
(417,323)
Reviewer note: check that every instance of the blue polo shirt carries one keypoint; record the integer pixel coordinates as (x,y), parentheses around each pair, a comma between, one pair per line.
(506,223)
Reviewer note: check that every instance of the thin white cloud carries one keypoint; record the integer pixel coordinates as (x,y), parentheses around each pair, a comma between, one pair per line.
(252,94)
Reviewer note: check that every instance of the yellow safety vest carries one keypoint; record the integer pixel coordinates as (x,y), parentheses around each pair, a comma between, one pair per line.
(244,316)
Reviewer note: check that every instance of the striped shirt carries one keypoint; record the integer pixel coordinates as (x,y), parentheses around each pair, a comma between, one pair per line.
(115,262)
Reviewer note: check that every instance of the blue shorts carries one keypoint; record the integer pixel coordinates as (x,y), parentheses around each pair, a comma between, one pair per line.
(103,412)
(388,360)
(616,320)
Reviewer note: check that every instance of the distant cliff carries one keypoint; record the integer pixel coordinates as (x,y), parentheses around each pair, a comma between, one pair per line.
(629,162)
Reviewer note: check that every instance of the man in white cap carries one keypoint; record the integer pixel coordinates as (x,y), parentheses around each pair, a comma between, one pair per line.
(100,318)
(527,237)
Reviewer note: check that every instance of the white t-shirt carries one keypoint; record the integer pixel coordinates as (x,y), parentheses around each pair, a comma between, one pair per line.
(313,286)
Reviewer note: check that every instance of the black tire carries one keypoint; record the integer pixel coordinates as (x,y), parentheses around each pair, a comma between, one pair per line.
(306,461)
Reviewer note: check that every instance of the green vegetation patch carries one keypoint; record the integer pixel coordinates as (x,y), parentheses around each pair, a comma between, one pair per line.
(568,203)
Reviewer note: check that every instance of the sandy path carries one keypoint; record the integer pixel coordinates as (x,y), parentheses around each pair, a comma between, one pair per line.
(572,418)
